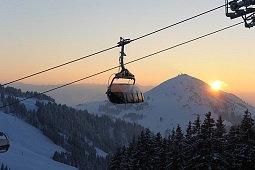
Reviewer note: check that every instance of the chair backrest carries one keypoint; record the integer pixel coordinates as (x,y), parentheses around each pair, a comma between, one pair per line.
(124,93)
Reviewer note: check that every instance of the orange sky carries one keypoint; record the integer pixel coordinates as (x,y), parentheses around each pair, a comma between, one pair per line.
(39,35)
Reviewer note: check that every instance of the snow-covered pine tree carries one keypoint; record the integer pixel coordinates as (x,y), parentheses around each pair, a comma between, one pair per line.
(188,134)
(247,148)
(205,157)
(131,154)
(124,159)
(4,167)
(177,152)
(192,140)
(232,147)
(116,160)
(156,150)
(141,159)
(189,146)
(241,144)
(196,128)
(219,145)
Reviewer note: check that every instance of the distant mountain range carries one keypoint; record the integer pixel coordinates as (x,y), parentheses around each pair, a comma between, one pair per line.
(73,95)
(175,101)
(181,95)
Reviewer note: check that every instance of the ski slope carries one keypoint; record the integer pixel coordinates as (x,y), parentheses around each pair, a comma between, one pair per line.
(30,149)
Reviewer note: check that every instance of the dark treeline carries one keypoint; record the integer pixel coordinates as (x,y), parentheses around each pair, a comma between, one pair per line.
(79,132)
(4,167)
(11,91)
(205,145)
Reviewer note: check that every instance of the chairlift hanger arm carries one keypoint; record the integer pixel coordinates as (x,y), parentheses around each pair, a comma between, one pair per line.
(124,73)
(121,44)
(241,8)
(237,4)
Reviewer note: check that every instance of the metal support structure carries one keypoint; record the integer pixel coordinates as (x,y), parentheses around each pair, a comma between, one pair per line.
(122,44)
(249,20)
(124,73)
(241,8)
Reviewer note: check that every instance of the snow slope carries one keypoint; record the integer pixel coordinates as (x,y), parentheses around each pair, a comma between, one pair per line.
(176,101)
(30,149)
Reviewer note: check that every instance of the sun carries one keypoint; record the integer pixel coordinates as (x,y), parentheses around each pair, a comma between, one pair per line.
(218,85)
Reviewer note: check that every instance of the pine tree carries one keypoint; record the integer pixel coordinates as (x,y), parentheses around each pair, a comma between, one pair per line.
(196,126)
(207,127)
(164,157)
(204,156)
(124,159)
(131,154)
(4,167)
(192,144)
(176,150)
(247,125)
(241,144)
(220,130)
(189,131)
(232,148)
(189,147)
(247,149)
(156,150)
(219,136)
(219,145)
(143,148)
(116,160)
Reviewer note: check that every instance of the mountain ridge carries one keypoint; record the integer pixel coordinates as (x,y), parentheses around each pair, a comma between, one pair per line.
(74,94)
(176,101)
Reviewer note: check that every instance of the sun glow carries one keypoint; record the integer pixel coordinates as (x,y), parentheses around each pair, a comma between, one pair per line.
(218,85)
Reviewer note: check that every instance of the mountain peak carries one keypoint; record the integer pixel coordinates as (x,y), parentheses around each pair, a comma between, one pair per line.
(182,84)
(192,96)
(183,79)
(178,101)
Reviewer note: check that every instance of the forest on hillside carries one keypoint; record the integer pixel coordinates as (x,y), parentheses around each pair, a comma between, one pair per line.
(4,167)
(79,132)
(11,91)
(205,145)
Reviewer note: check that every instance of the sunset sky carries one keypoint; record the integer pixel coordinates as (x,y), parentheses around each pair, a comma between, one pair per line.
(36,35)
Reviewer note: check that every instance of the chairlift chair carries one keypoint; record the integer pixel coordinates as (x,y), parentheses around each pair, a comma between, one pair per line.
(122,93)
(4,143)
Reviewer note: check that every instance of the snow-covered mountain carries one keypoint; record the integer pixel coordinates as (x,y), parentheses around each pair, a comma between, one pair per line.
(29,149)
(176,101)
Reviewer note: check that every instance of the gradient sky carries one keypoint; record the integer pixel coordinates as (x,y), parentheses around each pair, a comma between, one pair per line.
(36,35)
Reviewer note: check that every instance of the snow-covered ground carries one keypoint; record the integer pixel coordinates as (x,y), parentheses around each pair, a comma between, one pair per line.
(30,149)
(101,153)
